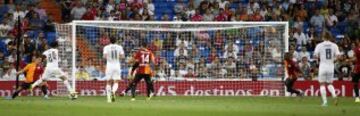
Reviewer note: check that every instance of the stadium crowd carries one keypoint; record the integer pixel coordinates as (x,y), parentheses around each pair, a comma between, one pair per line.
(307,19)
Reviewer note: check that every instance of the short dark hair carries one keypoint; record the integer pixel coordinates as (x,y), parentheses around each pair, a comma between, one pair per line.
(113,40)
(54,44)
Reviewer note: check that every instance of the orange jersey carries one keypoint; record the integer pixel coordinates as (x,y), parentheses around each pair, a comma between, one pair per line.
(144,57)
(33,72)
(30,71)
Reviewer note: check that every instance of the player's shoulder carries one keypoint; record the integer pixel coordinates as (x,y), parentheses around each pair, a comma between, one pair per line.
(48,50)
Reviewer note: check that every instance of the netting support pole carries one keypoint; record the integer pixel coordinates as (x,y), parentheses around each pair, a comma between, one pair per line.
(73,37)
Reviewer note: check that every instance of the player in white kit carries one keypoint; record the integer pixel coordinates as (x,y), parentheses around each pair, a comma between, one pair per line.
(327,52)
(52,69)
(112,53)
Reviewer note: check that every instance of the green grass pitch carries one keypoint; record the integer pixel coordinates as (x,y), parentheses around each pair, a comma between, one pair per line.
(178,106)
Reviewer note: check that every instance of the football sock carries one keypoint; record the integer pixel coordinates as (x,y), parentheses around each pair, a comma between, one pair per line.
(332,90)
(323,93)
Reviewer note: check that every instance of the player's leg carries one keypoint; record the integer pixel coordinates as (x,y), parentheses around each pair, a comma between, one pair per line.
(322,81)
(131,76)
(60,74)
(108,75)
(330,87)
(149,86)
(44,89)
(128,88)
(24,86)
(134,83)
(355,81)
(38,82)
(108,90)
(115,84)
(289,83)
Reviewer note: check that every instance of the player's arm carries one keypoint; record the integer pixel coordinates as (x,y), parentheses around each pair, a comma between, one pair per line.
(105,53)
(23,70)
(121,54)
(316,54)
(337,53)
(153,60)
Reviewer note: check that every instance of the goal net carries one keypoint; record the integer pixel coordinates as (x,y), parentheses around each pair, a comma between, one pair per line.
(195,58)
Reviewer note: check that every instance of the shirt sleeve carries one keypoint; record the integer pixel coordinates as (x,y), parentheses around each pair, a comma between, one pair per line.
(122,51)
(316,52)
(337,51)
(27,67)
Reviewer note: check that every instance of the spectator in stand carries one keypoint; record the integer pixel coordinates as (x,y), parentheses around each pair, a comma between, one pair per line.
(89,15)
(41,43)
(182,70)
(331,19)
(197,16)
(230,52)
(4,29)
(110,6)
(194,55)
(221,16)
(230,67)
(256,16)
(223,3)
(18,12)
(305,68)
(243,16)
(179,7)
(82,75)
(190,73)
(65,10)
(303,53)
(301,39)
(165,17)
(208,16)
(181,57)
(182,48)
(213,54)
(181,40)
(343,68)
(78,11)
(90,68)
(36,24)
(252,6)
(299,24)
(10,71)
(215,68)
(202,72)
(317,20)
(41,11)
(301,13)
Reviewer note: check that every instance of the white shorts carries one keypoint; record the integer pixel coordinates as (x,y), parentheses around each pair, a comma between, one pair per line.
(326,76)
(53,73)
(113,73)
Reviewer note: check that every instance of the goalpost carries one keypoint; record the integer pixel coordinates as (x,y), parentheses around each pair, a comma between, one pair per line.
(195,58)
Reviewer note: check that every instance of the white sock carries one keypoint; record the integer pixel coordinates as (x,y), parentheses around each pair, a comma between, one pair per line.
(115,87)
(37,82)
(332,90)
(323,93)
(108,91)
(67,84)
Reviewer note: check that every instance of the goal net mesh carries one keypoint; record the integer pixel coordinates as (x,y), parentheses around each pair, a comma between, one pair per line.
(194,58)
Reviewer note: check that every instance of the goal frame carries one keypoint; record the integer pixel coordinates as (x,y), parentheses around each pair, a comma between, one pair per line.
(75,23)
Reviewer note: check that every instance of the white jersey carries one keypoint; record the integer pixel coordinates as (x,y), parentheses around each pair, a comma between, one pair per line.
(327,52)
(52,58)
(112,53)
